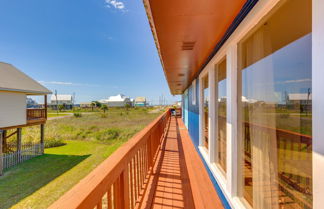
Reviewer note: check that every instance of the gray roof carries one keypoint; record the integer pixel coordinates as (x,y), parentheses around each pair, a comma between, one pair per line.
(14,80)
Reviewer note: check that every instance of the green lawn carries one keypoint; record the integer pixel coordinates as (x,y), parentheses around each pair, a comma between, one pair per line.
(51,115)
(38,182)
(89,140)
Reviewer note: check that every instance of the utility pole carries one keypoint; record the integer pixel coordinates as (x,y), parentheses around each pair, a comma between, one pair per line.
(56,102)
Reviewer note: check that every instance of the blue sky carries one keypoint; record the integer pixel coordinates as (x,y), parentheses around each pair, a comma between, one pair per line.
(93,48)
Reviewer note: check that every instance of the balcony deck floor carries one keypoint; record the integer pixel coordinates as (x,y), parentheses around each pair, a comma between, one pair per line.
(179,178)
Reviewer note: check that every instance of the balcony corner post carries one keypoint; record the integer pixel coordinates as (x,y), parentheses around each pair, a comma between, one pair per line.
(1,154)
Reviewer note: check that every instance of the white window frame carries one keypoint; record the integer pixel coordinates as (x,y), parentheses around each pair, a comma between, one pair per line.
(318,102)
(194,92)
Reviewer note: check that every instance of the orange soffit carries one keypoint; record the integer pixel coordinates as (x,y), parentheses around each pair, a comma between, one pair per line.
(187,32)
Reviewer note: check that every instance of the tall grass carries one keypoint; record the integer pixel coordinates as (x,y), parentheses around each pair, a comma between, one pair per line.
(116,124)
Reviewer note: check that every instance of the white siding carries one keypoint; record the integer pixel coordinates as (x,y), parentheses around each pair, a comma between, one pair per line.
(12,109)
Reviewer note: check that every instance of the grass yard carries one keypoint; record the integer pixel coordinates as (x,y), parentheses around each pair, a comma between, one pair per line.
(88,141)
(52,115)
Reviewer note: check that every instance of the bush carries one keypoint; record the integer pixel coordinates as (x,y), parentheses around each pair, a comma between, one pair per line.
(77,115)
(108,134)
(103,115)
(53,142)
(284,115)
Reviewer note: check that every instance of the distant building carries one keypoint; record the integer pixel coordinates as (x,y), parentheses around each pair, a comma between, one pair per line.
(31,103)
(140,102)
(62,99)
(85,104)
(119,100)
(301,99)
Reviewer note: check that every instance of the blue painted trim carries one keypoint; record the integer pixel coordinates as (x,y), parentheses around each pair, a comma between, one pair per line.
(214,181)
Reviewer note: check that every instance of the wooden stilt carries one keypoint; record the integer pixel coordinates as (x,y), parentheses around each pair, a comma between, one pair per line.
(19,143)
(4,141)
(42,126)
(1,155)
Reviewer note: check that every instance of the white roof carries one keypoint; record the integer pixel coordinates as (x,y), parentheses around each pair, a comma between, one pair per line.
(140,99)
(118,98)
(12,79)
(61,97)
(303,96)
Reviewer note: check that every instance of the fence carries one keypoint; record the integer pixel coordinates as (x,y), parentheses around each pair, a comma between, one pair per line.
(36,114)
(27,152)
(119,181)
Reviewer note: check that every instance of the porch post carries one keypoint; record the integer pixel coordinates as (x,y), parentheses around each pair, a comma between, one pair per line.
(45,105)
(4,141)
(1,154)
(19,143)
(42,127)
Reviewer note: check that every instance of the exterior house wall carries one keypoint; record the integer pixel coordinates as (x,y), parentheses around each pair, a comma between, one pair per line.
(118,104)
(193,116)
(228,186)
(12,109)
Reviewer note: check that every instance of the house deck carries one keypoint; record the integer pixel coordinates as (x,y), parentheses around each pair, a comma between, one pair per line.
(180,179)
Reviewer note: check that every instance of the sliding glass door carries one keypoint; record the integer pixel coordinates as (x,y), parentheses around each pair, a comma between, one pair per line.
(275,106)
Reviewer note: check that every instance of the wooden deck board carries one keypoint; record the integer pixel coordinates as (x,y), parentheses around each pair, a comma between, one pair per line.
(179,177)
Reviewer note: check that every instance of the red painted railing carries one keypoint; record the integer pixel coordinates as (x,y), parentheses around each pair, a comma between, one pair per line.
(119,181)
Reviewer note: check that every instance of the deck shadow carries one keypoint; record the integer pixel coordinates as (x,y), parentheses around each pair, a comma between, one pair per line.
(26,178)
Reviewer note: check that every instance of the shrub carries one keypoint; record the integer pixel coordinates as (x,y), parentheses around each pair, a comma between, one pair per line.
(77,115)
(53,142)
(108,134)
(103,115)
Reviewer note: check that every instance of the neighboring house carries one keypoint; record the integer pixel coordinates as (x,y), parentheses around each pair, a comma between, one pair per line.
(31,103)
(15,86)
(302,98)
(62,99)
(86,104)
(119,100)
(140,102)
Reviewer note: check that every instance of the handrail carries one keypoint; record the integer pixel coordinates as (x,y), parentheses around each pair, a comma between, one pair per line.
(120,178)
(36,114)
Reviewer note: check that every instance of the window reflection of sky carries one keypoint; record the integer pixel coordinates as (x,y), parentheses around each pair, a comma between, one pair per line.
(287,70)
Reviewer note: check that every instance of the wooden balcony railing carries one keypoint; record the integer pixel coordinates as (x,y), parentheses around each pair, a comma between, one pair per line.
(119,181)
(36,114)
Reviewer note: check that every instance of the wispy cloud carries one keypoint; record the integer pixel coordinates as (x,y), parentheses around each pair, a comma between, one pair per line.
(116,4)
(62,83)
(295,81)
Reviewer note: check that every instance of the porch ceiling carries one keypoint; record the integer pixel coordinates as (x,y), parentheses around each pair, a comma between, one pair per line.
(186,33)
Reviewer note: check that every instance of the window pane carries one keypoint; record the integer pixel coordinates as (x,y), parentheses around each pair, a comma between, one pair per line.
(205,111)
(276,109)
(221,111)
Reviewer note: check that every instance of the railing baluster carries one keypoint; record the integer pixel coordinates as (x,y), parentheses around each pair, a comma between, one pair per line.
(124,189)
(131,171)
(109,198)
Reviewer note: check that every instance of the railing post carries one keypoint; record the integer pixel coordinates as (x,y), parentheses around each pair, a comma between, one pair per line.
(42,132)
(1,154)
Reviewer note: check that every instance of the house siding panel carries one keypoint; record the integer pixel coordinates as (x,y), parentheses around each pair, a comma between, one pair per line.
(193,116)
(12,109)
